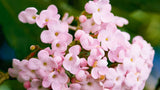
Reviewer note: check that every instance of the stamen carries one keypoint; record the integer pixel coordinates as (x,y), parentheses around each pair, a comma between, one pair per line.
(117,78)
(47,20)
(45,64)
(93,23)
(33,17)
(71,58)
(102,77)
(57,45)
(56,34)
(95,64)
(106,39)
(54,76)
(89,83)
(131,59)
(98,9)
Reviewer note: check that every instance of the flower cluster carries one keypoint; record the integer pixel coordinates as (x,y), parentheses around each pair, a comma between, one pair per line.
(97,57)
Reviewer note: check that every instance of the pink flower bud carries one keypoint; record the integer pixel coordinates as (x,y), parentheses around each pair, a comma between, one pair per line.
(82,18)
(27,84)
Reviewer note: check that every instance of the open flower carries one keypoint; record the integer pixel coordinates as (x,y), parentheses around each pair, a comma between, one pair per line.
(28,16)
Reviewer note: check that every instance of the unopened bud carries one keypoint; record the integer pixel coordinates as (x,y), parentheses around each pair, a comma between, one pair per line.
(32,47)
(82,18)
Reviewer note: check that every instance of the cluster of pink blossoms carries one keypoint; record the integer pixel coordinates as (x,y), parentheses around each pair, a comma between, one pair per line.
(99,57)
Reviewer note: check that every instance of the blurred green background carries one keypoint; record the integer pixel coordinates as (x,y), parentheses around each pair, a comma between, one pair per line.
(16,37)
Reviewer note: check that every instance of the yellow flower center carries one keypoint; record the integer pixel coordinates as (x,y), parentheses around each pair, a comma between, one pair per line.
(131,59)
(117,78)
(45,64)
(89,83)
(106,39)
(57,45)
(33,17)
(137,78)
(102,77)
(33,71)
(93,23)
(95,64)
(98,9)
(56,34)
(47,20)
(54,76)
(71,58)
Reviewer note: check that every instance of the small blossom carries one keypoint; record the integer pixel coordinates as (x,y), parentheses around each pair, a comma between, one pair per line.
(90,84)
(48,15)
(82,18)
(28,16)
(56,80)
(67,19)
(100,10)
(88,42)
(71,63)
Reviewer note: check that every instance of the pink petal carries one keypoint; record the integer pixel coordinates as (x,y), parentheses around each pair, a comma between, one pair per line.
(47,36)
(34,64)
(46,82)
(53,9)
(43,54)
(91,7)
(75,49)
(22,17)
(94,73)
(97,18)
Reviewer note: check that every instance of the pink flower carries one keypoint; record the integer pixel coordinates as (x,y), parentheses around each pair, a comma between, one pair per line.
(36,84)
(26,84)
(28,16)
(82,18)
(119,21)
(13,72)
(47,16)
(90,26)
(111,39)
(95,54)
(81,75)
(117,55)
(71,63)
(75,86)
(56,80)
(67,19)
(47,62)
(131,79)
(57,31)
(88,42)
(21,71)
(106,37)
(26,74)
(59,46)
(146,51)
(75,49)
(90,84)
(58,27)
(114,79)
(99,69)
(78,34)
(100,10)
(34,64)
(83,63)
(47,36)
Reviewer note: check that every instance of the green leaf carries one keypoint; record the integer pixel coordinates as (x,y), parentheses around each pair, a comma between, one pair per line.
(11,85)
